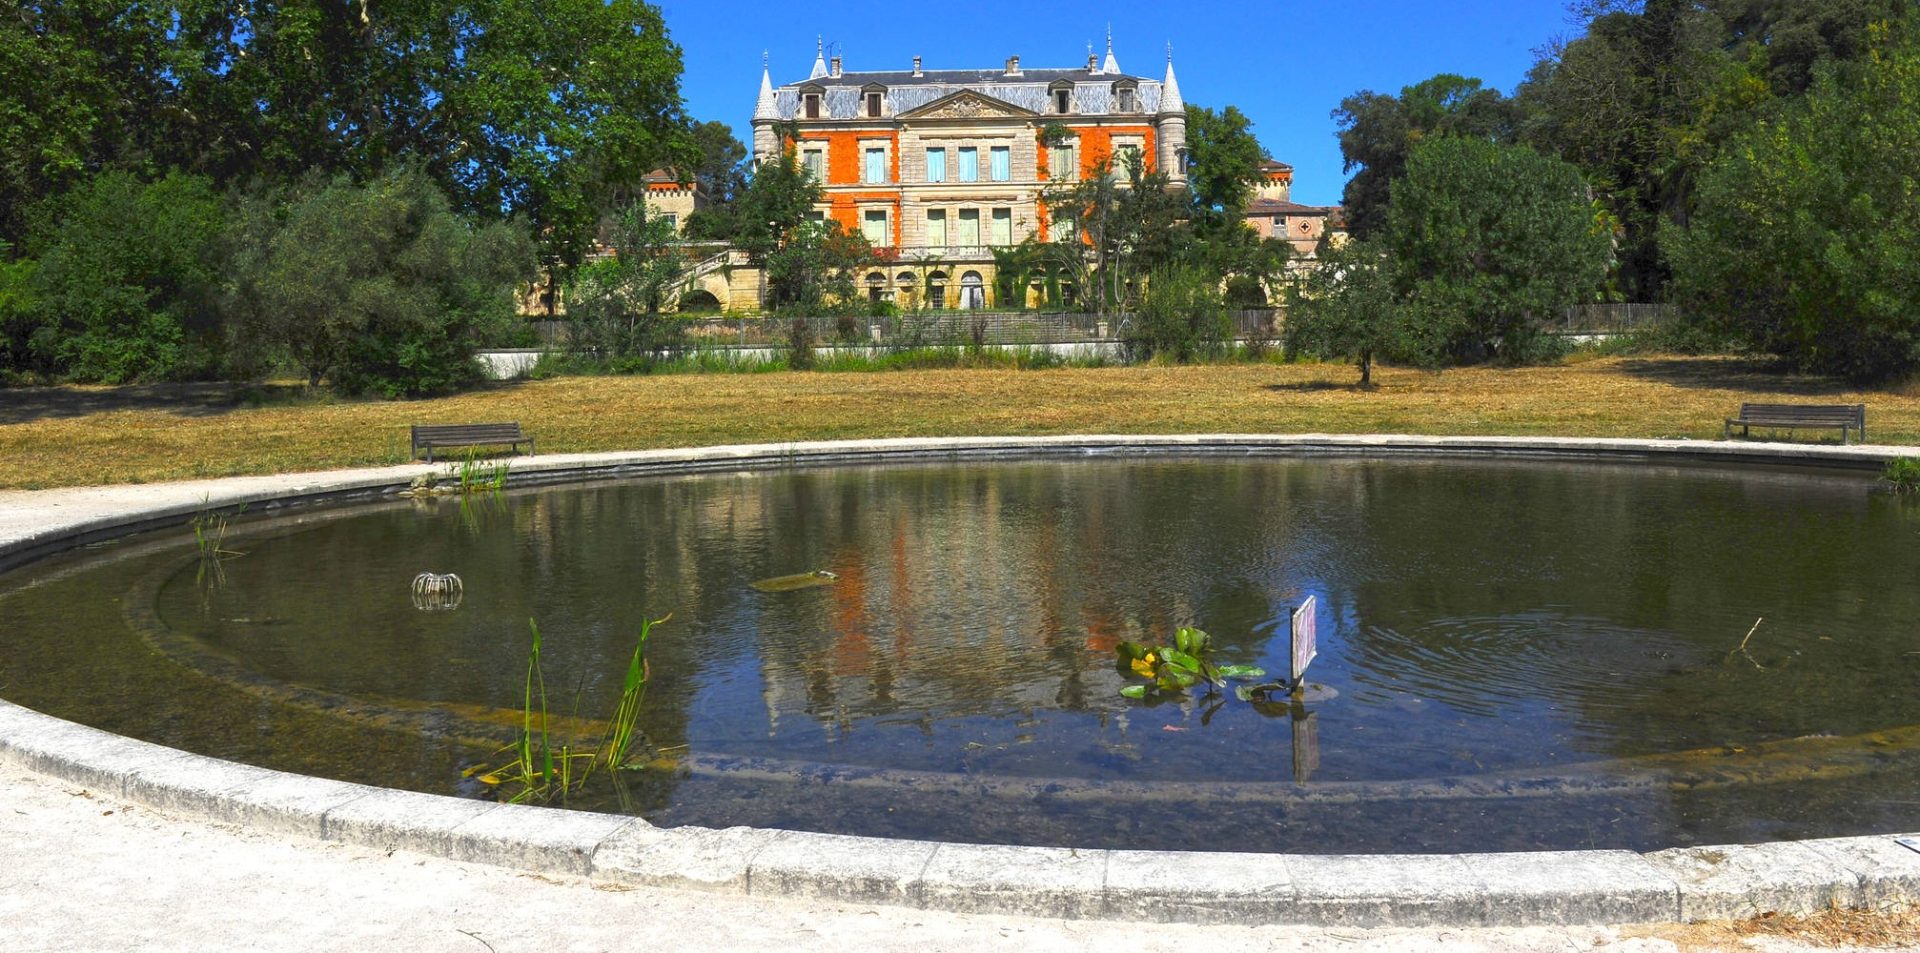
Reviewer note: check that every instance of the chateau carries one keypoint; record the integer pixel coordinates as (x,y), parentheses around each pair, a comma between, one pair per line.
(936,167)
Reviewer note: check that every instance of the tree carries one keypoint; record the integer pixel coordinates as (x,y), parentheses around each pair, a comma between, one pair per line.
(1489,240)
(23,329)
(1378,131)
(1127,222)
(722,173)
(809,263)
(127,276)
(1181,318)
(1806,237)
(377,288)
(1223,164)
(614,303)
(1350,306)
(535,108)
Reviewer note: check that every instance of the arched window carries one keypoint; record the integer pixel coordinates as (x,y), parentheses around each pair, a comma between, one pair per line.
(876,286)
(936,289)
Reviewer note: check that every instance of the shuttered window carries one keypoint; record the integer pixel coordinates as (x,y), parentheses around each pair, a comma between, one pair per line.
(1002,163)
(936,165)
(876,168)
(969,164)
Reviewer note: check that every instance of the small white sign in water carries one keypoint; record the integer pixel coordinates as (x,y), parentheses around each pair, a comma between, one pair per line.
(1305,642)
(1910,843)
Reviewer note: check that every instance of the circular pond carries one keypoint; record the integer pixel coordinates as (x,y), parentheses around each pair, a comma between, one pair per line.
(1512,655)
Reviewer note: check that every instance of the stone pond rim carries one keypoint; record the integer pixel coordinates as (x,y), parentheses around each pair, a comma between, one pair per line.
(1560,887)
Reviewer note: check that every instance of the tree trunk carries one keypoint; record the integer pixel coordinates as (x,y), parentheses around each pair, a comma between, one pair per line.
(1366,368)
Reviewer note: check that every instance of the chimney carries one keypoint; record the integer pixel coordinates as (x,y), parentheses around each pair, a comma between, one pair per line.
(835,69)
(1013,66)
(916,67)
(1093,63)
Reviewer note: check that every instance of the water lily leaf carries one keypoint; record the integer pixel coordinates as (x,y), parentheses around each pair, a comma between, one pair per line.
(1130,651)
(1134,691)
(1182,659)
(1241,671)
(1245,693)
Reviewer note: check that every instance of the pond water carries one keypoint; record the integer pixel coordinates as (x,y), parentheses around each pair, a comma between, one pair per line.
(1512,655)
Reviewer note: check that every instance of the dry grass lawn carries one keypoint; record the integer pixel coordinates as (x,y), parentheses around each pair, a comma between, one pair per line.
(75,436)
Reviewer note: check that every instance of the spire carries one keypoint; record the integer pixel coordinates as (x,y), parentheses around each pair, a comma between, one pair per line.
(763,107)
(1170,88)
(1111,65)
(819,59)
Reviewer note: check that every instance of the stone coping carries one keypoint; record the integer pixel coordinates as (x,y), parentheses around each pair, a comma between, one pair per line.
(1504,889)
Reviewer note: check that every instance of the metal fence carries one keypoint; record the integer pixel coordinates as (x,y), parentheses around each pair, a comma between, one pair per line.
(945,328)
(1610,318)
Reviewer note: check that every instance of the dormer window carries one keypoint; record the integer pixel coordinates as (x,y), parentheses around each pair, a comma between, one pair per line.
(873,100)
(1062,96)
(810,100)
(1127,99)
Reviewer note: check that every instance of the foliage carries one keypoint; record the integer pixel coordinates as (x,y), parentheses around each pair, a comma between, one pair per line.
(1350,307)
(614,303)
(127,278)
(1181,318)
(1171,670)
(1223,160)
(723,174)
(546,768)
(1127,223)
(1806,239)
(1903,474)
(379,287)
(1378,133)
(1489,239)
(21,320)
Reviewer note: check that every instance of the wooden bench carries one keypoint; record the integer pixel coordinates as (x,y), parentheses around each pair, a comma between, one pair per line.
(1793,417)
(468,435)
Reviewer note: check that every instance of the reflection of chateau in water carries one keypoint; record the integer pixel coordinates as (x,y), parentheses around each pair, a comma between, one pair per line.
(996,592)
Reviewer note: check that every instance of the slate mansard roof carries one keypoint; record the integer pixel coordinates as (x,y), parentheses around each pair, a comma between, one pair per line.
(1029,89)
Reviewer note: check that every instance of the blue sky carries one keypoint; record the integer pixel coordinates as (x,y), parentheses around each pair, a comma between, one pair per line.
(1286,65)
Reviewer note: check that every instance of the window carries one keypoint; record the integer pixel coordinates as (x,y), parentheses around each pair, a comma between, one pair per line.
(876,287)
(813,105)
(873,105)
(969,164)
(1062,164)
(936,165)
(1003,226)
(876,167)
(1002,163)
(815,161)
(1061,100)
(1061,228)
(820,217)
(937,227)
(673,221)
(937,289)
(1124,157)
(1126,100)
(874,226)
(969,226)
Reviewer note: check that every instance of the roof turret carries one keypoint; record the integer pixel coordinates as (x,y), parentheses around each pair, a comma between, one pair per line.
(1111,65)
(1170,88)
(763,108)
(819,59)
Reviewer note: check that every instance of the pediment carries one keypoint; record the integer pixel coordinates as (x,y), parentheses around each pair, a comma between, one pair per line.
(969,104)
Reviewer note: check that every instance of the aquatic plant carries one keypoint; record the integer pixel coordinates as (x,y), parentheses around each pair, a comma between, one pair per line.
(543,768)
(472,475)
(1171,670)
(210,536)
(1903,474)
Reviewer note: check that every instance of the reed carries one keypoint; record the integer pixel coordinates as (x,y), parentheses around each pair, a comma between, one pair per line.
(544,768)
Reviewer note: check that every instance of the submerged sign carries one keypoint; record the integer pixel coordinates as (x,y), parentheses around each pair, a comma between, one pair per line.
(1305,639)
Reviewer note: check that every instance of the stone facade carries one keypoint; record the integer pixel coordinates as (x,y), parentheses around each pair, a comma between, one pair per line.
(938,167)
(1274,214)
